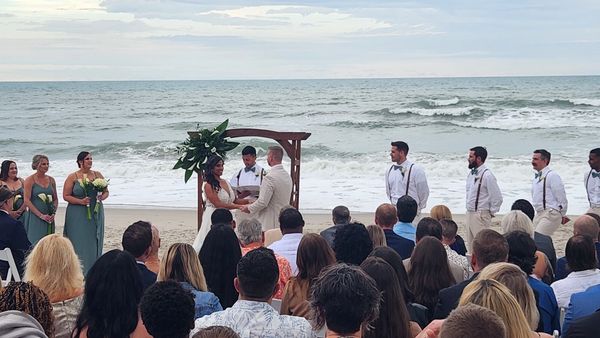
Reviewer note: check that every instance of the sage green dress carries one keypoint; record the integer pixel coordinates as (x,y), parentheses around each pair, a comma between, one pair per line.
(87,235)
(36,227)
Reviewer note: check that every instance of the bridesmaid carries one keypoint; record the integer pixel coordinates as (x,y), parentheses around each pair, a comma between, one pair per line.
(87,235)
(40,220)
(9,177)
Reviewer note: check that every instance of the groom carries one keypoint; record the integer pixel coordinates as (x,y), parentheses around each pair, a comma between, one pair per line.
(275,192)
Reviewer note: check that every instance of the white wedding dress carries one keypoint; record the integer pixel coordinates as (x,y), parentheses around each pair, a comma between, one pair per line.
(226,195)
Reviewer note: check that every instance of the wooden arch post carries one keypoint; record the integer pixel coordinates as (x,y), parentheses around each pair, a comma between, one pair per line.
(289,141)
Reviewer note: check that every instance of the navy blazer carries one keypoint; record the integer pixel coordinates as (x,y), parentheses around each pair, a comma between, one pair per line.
(448,298)
(585,327)
(148,277)
(403,246)
(13,236)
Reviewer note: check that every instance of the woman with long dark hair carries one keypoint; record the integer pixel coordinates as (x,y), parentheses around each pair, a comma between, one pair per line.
(219,194)
(9,176)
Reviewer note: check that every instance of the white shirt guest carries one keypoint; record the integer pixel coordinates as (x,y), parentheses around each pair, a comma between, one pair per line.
(291,224)
(591,180)
(548,195)
(405,177)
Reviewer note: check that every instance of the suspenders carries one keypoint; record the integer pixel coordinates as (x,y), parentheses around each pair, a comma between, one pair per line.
(544,193)
(479,189)
(587,190)
(262,174)
(408,180)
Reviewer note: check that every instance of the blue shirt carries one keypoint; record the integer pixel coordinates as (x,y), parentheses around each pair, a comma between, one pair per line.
(205,302)
(547,305)
(406,230)
(582,304)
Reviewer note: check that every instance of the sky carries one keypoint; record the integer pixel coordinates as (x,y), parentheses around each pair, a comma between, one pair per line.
(60,40)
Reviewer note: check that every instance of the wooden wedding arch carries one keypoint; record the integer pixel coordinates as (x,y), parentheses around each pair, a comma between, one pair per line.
(289,141)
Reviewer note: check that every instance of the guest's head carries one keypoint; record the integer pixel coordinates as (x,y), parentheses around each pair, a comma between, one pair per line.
(525,207)
(597,218)
(428,226)
(290,221)
(449,230)
(40,163)
(137,240)
(386,216)
(406,209)
(516,220)
(587,226)
(222,216)
(345,299)
(28,298)
(477,156)
(377,236)
(168,310)
(440,212)
(8,170)
(155,246)
(395,261)
(84,160)
(540,159)
(515,280)
(274,155)
(257,275)
(5,197)
(249,156)
(594,159)
(521,250)
(113,289)
(352,244)
(340,215)
(180,263)
(473,321)
(496,297)
(399,151)
(250,231)
(581,253)
(54,267)
(216,331)
(314,254)
(393,320)
(488,247)
(219,256)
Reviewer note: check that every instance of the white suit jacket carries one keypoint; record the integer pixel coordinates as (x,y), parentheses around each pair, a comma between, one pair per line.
(275,193)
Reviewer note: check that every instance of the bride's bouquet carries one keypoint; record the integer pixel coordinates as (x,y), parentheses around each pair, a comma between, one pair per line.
(100,185)
(47,199)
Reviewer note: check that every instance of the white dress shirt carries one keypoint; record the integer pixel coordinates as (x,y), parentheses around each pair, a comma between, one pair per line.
(575,282)
(287,247)
(556,198)
(592,186)
(395,183)
(244,178)
(490,197)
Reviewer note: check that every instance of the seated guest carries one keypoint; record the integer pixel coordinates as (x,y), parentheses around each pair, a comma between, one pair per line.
(216,331)
(352,244)
(250,235)
(153,261)
(473,321)
(583,225)
(522,253)
(181,264)
(429,272)
(582,304)
(488,247)
(345,299)
(222,216)
(386,217)
(12,233)
(314,254)
(440,212)
(376,235)
(449,230)
(585,327)
(113,290)
(340,216)
(596,217)
(291,224)
(54,267)
(252,315)
(542,242)
(406,209)
(28,298)
(137,240)
(581,257)
(167,310)
(219,256)
(18,324)
(393,320)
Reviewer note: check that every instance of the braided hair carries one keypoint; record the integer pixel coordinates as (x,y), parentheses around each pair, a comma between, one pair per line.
(28,298)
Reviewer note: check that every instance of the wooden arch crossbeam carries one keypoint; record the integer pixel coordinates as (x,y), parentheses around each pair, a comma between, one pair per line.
(289,141)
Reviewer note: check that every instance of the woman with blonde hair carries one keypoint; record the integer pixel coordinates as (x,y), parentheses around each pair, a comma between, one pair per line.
(377,236)
(493,295)
(440,212)
(40,218)
(182,265)
(54,267)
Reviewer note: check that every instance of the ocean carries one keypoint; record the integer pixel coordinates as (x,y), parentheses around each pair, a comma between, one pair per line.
(133,128)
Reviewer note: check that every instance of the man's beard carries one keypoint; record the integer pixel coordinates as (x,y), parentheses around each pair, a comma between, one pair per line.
(472,165)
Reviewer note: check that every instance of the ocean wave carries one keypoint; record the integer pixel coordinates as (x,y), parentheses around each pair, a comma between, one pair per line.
(456,111)
(362,124)
(443,102)
(585,102)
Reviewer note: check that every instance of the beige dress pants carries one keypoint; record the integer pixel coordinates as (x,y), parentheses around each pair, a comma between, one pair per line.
(477,221)
(547,221)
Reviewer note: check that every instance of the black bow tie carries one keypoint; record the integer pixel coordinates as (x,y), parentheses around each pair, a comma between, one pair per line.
(253,169)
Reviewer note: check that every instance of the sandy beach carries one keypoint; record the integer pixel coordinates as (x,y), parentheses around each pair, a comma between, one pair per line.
(179,225)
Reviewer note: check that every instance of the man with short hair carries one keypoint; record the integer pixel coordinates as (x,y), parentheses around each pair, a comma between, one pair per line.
(168,310)
(488,247)
(12,234)
(405,178)
(583,225)
(340,216)
(549,197)
(449,230)
(386,217)
(407,210)
(252,315)
(592,181)
(222,216)
(291,225)
(483,194)
(543,242)
(275,192)
(473,321)
(251,175)
(137,240)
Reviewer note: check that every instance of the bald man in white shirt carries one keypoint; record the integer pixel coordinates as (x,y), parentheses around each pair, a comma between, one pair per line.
(549,197)
(483,194)
(592,181)
(405,177)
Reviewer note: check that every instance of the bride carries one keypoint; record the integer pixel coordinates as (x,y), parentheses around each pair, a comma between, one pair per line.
(219,194)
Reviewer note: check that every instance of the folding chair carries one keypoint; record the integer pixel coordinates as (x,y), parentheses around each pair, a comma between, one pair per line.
(6,255)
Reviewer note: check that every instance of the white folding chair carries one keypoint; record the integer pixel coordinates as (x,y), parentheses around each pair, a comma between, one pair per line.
(6,255)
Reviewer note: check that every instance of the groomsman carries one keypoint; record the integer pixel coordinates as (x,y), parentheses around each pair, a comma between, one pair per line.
(483,194)
(405,178)
(592,181)
(549,197)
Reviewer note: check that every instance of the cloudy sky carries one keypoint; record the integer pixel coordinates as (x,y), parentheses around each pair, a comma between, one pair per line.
(194,39)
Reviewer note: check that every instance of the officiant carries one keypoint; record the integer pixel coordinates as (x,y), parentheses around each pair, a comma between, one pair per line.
(246,182)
